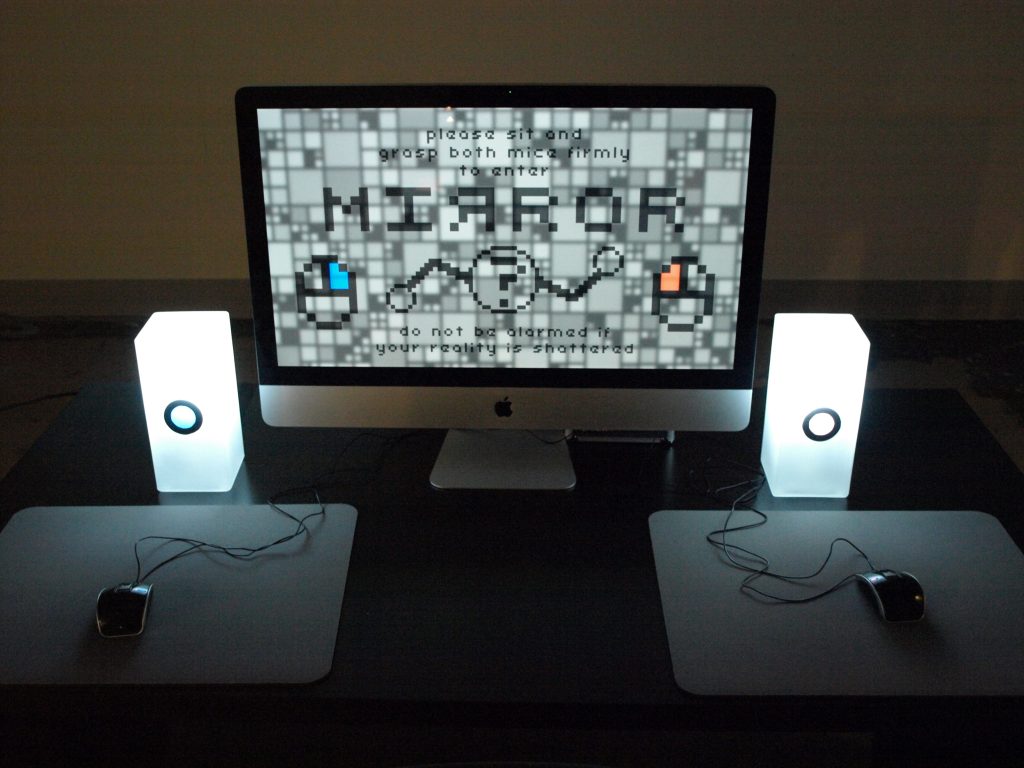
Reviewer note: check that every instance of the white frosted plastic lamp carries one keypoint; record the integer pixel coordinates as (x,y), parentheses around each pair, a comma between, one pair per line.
(812,414)
(190,396)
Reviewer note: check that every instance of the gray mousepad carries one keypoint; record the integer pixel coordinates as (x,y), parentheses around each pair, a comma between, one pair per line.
(212,619)
(723,642)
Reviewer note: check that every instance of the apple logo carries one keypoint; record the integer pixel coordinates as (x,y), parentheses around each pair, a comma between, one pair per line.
(503,408)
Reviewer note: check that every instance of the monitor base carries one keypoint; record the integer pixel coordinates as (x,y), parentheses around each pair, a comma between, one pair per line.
(503,460)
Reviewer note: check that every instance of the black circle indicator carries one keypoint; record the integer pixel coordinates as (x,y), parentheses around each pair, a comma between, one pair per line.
(822,424)
(183,417)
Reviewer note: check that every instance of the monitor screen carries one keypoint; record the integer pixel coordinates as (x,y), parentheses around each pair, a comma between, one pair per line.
(420,255)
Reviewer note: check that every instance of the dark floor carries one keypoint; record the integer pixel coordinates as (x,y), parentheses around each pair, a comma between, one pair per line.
(44,356)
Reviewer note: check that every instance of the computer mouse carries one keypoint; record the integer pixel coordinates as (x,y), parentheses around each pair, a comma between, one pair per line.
(898,595)
(121,610)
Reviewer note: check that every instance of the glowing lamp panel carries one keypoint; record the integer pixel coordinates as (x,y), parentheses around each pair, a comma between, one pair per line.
(190,397)
(812,414)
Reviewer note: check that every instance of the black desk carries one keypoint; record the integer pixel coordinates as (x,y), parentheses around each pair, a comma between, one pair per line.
(522,625)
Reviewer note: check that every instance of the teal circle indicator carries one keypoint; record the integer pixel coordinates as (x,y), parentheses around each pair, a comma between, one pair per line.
(183,417)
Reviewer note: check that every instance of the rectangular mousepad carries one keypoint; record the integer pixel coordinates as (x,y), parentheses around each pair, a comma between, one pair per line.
(725,642)
(212,619)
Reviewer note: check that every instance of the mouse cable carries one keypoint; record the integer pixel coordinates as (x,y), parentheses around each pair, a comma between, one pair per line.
(368,470)
(536,435)
(34,400)
(237,553)
(762,569)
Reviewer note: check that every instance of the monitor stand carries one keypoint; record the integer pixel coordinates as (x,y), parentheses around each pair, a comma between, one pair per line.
(502,459)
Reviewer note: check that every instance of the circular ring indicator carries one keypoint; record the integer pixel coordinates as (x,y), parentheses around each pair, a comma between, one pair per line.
(822,424)
(183,417)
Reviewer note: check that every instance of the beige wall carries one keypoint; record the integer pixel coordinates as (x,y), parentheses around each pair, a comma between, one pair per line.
(899,135)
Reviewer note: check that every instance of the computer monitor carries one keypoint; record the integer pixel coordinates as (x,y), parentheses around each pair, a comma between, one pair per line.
(496,260)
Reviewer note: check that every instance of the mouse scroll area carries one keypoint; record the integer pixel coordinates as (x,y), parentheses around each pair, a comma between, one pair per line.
(121,610)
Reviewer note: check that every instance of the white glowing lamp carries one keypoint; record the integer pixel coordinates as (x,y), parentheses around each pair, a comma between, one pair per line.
(812,414)
(187,372)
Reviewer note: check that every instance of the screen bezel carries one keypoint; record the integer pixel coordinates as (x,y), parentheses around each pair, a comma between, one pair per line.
(759,99)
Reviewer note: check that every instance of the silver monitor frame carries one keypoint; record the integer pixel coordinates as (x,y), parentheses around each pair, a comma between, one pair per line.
(677,399)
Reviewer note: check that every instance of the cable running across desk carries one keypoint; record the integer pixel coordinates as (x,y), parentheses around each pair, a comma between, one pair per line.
(234,552)
(761,566)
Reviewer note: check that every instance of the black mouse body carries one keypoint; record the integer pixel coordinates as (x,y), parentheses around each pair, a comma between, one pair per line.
(898,595)
(121,610)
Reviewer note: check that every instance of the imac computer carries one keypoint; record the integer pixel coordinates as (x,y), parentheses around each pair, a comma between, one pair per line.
(503,260)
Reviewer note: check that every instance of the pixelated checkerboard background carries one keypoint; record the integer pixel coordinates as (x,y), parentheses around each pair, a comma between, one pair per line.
(703,154)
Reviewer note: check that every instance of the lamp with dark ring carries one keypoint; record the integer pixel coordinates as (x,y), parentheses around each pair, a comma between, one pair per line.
(190,398)
(808,447)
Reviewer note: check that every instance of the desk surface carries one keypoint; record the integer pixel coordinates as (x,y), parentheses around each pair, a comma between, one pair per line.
(519,606)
